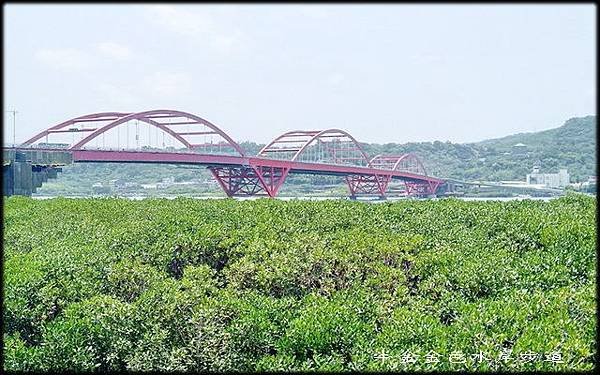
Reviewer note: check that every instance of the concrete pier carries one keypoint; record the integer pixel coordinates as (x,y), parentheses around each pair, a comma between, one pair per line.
(25,171)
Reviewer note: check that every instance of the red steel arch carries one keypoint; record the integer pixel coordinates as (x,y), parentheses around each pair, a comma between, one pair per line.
(408,163)
(153,118)
(101,116)
(378,183)
(293,144)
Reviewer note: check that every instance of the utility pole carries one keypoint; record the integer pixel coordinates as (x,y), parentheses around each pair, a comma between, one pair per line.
(14,113)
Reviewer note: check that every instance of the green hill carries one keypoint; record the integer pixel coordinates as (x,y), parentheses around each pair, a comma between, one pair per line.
(571,146)
(571,133)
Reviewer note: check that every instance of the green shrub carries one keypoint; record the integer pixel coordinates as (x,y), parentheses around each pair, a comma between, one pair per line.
(224,285)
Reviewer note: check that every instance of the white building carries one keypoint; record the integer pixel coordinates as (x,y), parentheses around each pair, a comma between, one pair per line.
(551,180)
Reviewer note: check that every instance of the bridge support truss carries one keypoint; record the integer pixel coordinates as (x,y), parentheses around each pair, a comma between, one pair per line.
(377,185)
(250,180)
(368,184)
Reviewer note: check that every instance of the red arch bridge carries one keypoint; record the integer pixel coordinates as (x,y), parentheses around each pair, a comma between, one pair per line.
(189,139)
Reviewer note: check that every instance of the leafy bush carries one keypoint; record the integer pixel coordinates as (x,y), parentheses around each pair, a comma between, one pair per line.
(201,285)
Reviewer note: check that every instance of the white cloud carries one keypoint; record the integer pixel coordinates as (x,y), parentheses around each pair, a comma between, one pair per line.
(195,25)
(114,50)
(165,84)
(335,79)
(72,58)
(120,95)
(153,89)
(179,21)
(426,58)
(225,43)
(63,58)
(314,11)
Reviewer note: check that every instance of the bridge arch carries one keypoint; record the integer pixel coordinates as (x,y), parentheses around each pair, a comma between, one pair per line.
(337,144)
(153,118)
(101,116)
(407,163)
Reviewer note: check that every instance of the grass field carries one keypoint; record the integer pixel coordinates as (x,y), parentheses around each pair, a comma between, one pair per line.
(225,285)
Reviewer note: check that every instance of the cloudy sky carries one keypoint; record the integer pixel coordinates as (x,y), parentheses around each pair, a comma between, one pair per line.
(385,73)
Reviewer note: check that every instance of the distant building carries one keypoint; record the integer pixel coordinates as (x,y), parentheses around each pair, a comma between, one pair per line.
(551,180)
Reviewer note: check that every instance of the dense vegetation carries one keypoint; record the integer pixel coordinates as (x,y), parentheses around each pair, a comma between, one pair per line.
(571,146)
(223,285)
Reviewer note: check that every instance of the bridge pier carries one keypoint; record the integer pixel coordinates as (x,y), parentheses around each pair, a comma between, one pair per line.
(18,179)
(24,172)
(368,185)
(254,180)
(23,178)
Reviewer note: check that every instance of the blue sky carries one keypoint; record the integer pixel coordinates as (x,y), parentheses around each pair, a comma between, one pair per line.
(384,73)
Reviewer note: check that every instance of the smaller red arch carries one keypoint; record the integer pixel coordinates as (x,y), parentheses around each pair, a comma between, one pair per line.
(398,163)
(294,144)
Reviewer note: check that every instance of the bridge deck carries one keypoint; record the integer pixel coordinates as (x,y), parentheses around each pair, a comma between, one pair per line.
(247,175)
(231,160)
